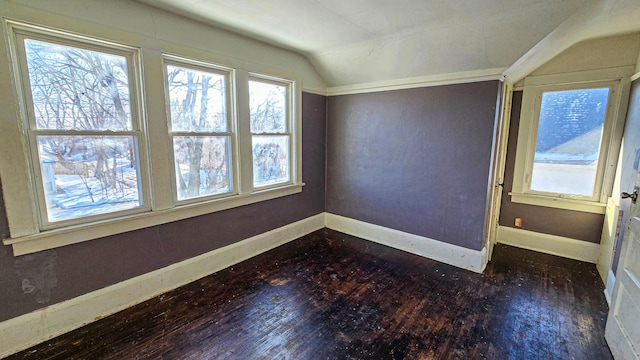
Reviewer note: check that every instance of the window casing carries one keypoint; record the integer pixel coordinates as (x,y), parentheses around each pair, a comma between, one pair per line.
(568,140)
(153,138)
(83,127)
(270,124)
(202,130)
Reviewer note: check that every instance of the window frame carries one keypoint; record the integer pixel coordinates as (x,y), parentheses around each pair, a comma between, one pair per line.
(27,235)
(290,130)
(617,80)
(31,132)
(231,118)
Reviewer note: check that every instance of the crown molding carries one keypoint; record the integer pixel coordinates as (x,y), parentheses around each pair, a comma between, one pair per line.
(322,92)
(420,81)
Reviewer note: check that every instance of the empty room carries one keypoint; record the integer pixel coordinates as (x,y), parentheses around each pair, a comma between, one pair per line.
(295,179)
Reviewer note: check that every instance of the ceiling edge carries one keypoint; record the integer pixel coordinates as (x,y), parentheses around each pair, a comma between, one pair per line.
(595,20)
(314,91)
(420,81)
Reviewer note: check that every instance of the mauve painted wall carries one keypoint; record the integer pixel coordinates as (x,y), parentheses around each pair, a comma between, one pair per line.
(572,224)
(414,160)
(33,281)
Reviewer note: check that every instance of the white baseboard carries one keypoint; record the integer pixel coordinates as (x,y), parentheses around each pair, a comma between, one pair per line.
(608,290)
(549,244)
(474,260)
(30,329)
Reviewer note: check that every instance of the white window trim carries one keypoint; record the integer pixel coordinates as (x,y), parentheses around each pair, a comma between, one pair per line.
(231,124)
(74,234)
(133,61)
(618,80)
(27,234)
(291,129)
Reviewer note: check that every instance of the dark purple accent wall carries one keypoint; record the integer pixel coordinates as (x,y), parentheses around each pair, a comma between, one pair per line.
(415,160)
(572,224)
(4,226)
(630,162)
(30,282)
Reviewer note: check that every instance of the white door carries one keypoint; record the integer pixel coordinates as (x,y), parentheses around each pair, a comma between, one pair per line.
(623,324)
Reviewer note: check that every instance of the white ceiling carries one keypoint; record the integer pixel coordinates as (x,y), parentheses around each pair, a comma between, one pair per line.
(363,41)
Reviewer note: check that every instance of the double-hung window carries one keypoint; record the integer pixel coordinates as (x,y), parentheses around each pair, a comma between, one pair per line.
(201,131)
(270,116)
(89,156)
(204,133)
(83,128)
(568,142)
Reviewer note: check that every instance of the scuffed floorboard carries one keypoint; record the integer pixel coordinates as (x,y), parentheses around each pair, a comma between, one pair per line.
(333,296)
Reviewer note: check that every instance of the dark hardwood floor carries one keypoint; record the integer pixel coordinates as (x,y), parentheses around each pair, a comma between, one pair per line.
(333,296)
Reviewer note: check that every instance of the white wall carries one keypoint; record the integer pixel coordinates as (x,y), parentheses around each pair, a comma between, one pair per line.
(594,54)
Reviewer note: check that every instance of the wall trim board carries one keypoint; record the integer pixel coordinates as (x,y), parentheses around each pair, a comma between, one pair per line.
(608,290)
(474,260)
(85,232)
(608,239)
(314,91)
(635,76)
(24,331)
(549,244)
(462,77)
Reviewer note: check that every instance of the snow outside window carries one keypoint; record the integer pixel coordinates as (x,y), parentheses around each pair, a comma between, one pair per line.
(569,136)
(82,129)
(568,142)
(201,131)
(96,158)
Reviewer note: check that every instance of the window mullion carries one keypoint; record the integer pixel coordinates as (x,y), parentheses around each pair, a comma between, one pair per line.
(271,134)
(295,129)
(157,128)
(200,133)
(245,157)
(96,133)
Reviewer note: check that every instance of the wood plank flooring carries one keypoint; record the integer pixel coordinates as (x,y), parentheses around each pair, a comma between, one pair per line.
(333,296)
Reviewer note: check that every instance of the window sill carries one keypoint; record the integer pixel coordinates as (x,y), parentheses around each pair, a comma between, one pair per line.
(51,239)
(559,203)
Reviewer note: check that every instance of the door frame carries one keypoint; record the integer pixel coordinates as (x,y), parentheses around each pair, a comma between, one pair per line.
(499,163)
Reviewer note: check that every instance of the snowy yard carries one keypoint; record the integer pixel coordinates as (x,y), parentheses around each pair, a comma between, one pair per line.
(76,195)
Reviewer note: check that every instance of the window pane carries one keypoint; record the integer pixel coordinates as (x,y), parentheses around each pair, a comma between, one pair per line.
(268,107)
(568,145)
(197,100)
(270,160)
(77,89)
(85,176)
(202,165)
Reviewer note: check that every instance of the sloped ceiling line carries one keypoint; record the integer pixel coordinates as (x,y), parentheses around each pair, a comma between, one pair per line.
(378,41)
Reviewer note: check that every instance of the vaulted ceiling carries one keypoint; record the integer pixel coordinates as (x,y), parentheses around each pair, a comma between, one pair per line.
(367,41)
